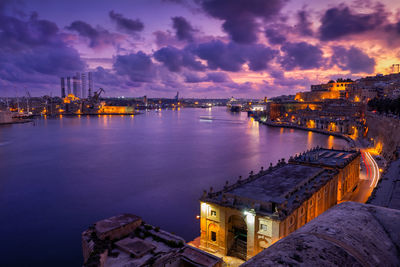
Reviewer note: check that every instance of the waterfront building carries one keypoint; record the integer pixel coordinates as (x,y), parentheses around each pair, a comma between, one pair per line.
(330,90)
(62,87)
(347,163)
(244,218)
(125,240)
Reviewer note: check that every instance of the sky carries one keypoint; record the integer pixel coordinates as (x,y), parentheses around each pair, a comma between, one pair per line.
(201,48)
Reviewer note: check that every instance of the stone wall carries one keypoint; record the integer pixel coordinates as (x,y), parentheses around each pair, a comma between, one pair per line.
(350,234)
(385,134)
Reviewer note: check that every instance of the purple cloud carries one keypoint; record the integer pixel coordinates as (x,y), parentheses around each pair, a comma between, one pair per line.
(340,21)
(183,29)
(352,59)
(98,37)
(302,56)
(34,51)
(175,59)
(231,56)
(275,36)
(215,77)
(137,66)
(304,25)
(240,16)
(125,24)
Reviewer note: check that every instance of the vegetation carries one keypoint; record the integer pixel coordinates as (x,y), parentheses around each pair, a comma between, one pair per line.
(385,105)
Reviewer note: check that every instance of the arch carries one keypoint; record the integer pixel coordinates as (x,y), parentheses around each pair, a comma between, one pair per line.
(213,231)
(237,237)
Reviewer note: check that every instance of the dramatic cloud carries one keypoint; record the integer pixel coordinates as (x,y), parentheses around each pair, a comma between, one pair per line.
(174,59)
(125,24)
(340,21)
(275,36)
(137,66)
(304,25)
(32,50)
(302,56)
(231,57)
(183,29)
(352,59)
(98,36)
(215,77)
(240,16)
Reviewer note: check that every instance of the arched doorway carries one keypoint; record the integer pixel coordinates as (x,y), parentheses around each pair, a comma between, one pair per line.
(237,237)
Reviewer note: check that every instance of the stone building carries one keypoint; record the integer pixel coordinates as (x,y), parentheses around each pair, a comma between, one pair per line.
(244,218)
(125,240)
(250,215)
(346,162)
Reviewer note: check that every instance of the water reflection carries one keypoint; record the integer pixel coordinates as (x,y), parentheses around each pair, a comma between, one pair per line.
(155,165)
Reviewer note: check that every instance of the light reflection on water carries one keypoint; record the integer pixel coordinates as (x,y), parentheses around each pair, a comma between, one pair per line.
(61,175)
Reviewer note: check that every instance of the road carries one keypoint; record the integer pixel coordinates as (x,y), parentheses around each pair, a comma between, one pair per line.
(369,177)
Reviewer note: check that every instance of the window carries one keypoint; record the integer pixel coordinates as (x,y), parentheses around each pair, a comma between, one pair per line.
(263,227)
(213,213)
(213,236)
(291,220)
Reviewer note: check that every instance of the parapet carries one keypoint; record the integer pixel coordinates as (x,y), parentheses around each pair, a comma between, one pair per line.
(125,240)
(350,234)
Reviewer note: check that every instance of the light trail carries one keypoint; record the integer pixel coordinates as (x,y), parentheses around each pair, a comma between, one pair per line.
(374,170)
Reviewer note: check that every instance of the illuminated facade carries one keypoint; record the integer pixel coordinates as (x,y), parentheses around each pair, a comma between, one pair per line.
(116,110)
(249,216)
(347,163)
(244,218)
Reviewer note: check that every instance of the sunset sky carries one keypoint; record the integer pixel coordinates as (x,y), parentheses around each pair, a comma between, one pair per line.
(201,48)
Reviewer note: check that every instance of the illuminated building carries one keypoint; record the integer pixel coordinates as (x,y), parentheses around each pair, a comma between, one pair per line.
(244,218)
(346,162)
(331,90)
(249,216)
(117,110)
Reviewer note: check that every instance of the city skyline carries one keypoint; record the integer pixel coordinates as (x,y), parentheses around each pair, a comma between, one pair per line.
(212,48)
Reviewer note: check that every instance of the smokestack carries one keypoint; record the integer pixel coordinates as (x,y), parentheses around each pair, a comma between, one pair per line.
(69,85)
(62,87)
(90,78)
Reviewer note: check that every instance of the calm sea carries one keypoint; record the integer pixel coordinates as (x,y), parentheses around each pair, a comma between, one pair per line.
(59,175)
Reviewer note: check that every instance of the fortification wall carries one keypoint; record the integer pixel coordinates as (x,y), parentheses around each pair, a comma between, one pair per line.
(385,132)
(350,234)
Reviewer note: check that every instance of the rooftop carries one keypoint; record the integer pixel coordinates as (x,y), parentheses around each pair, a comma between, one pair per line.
(325,157)
(275,192)
(274,186)
(115,222)
(142,245)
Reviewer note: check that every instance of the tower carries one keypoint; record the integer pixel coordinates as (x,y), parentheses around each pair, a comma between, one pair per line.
(90,78)
(78,85)
(69,85)
(83,83)
(62,87)
(75,85)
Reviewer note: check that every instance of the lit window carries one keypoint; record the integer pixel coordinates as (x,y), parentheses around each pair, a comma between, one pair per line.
(213,236)
(263,227)
(213,213)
